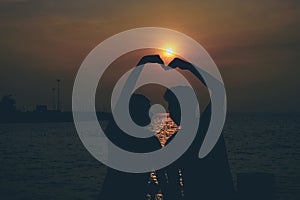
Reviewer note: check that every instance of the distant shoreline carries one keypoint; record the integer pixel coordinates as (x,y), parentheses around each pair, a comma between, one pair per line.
(41,117)
(67,116)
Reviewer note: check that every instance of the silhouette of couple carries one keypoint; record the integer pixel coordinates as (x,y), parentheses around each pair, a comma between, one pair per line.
(188,178)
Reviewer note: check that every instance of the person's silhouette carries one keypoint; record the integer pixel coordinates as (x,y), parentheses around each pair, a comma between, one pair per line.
(187,178)
(210,177)
(207,178)
(122,185)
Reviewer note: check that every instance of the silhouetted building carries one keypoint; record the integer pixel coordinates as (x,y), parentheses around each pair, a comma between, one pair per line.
(58,95)
(41,108)
(8,104)
(53,99)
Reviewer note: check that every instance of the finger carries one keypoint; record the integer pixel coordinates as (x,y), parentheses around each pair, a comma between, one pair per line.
(174,63)
(150,59)
(181,64)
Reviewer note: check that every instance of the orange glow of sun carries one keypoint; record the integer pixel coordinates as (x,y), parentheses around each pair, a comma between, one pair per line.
(169,52)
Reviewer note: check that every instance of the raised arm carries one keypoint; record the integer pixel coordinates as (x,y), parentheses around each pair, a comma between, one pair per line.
(133,77)
(150,59)
(184,65)
(120,106)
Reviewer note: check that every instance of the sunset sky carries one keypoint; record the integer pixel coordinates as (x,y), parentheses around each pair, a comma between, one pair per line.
(255,44)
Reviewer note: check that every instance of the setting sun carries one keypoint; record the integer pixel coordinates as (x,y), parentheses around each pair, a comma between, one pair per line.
(169,52)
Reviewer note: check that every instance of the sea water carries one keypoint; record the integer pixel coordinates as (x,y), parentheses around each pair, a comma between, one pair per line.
(48,160)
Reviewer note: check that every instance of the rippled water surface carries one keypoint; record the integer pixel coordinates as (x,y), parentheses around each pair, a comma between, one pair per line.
(48,161)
